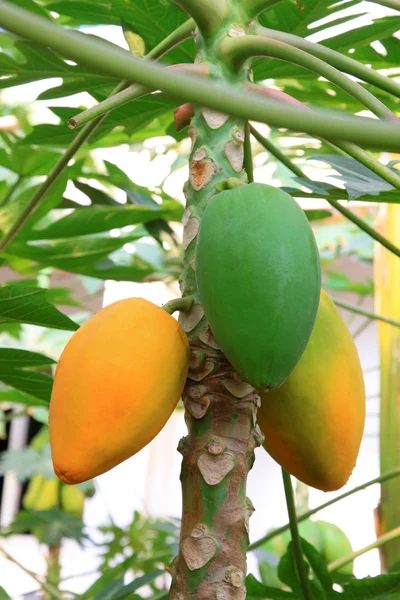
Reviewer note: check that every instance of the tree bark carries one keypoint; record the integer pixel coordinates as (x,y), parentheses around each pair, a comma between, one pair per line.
(220,408)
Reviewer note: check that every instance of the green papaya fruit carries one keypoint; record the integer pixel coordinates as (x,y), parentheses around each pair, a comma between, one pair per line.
(258,276)
(336,544)
(309,530)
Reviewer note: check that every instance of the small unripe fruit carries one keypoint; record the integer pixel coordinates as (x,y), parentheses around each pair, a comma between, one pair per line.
(118,381)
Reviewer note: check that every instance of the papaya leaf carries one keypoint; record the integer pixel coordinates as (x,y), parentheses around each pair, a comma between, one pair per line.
(3,594)
(24,304)
(27,462)
(369,588)
(51,525)
(357,178)
(17,397)
(16,358)
(318,566)
(97,219)
(111,574)
(256,589)
(126,591)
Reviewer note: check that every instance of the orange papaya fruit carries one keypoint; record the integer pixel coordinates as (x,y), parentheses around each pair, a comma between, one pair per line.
(117,382)
(313,423)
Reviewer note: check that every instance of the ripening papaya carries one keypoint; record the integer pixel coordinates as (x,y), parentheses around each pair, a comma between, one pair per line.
(42,493)
(313,424)
(258,275)
(118,380)
(72,500)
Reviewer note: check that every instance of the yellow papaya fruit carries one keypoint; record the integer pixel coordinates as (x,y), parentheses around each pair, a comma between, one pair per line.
(313,423)
(42,493)
(118,380)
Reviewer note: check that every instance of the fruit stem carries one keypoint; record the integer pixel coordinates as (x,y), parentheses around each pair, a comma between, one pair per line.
(116,62)
(294,530)
(133,92)
(365,313)
(380,541)
(255,7)
(335,59)
(43,585)
(268,145)
(384,477)
(239,49)
(181,304)
(248,155)
(207,14)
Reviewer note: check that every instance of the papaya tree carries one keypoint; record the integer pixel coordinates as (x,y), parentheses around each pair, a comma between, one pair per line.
(249,276)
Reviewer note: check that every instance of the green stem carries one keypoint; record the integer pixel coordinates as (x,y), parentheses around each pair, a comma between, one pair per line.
(177,36)
(365,313)
(366,228)
(239,49)
(11,191)
(207,14)
(43,585)
(114,61)
(181,304)
(384,477)
(370,162)
(296,540)
(248,155)
(384,539)
(255,7)
(126,95)
(268,145)
(395,4)
(335,59)
(275,151)
(52,177)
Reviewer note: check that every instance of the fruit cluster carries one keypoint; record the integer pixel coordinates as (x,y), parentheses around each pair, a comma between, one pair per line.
(258,275)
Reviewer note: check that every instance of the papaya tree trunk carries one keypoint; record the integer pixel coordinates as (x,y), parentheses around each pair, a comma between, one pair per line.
(220,408)
(387,299)
(53,575)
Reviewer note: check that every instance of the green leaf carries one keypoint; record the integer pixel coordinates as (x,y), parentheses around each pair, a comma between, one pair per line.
(16,358)
(317,215)
(54,525)
(153,21)
(36,62)
(116,590)
(357,179)
(132,117)
(371,587)
(16,397)
(97,219)
(256,589)
(27,462)
(28,382)
(23,304)
(3,594)
(112,574)
(337,280)
(318,565)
